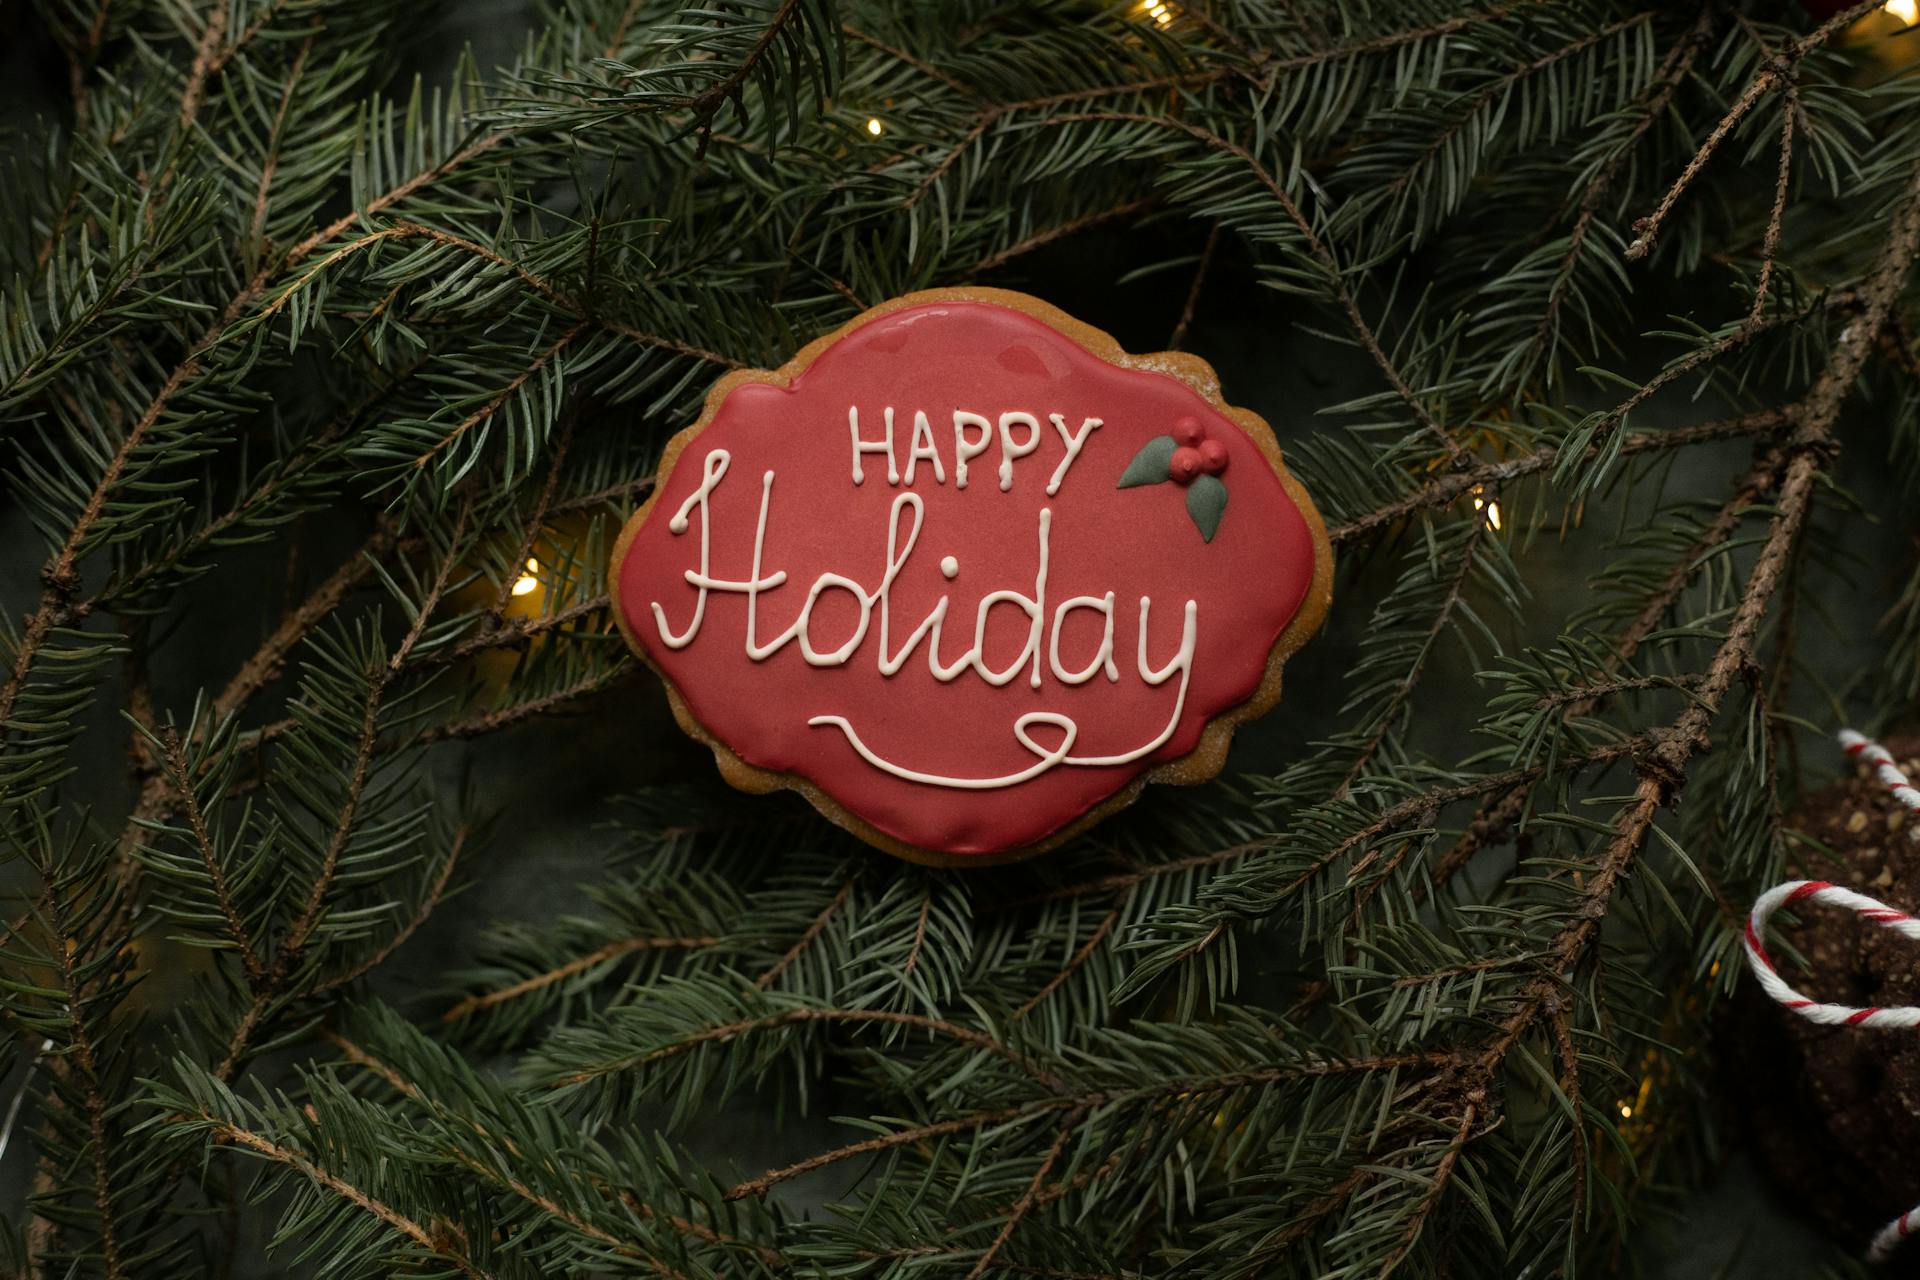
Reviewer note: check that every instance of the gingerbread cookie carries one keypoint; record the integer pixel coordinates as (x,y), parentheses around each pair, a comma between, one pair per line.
(967,575)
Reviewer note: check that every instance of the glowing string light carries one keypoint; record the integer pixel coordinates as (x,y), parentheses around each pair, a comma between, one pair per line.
(874,126)
(1160,11)
(1908,11)
(1492,508)
(527,582)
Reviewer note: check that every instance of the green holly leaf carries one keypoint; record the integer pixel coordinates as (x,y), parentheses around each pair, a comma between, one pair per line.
(1149,466)
(1206,503)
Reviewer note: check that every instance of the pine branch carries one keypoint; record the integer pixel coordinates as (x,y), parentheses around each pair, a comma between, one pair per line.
(579,964)
(1072,226)
(1441,1175)
(708,103)
(359,1056)
(1494,820)
(177,775)
(301,932)
(1672,73)
(436,891)
(1770,245)
(1074,963)
(506,393)
(1333,274)
(66,947)
(1097,1065)
(561,699)
(438,1244)
(1499,88)
(800,1016)
(206,62)
(1080,1103)
(1400,697)
(268,661)
(1570,1086)
(807,938)
(60,577)
(1663,768)
(1027,1200)
(1775,72)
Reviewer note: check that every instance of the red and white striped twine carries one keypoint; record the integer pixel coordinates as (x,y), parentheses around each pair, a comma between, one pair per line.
(1865,748)
(1871,909)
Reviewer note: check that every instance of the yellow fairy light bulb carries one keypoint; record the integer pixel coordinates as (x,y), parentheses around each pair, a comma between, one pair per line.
(1159,10)
(527,582)
(1908,11)
(1491,508)
(874,126)
(1626,1111)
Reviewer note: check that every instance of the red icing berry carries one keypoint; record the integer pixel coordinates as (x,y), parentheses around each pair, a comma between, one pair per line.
(1185,465)
(1213,457)
(1188,431)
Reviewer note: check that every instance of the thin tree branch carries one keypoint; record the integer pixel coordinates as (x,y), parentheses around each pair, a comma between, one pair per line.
(436,1243)
(1663,767)
(805,940)
(708,103)
(1317,248)
(1027,1199)
(65,947)
(1491,476)
(205,60)
(1060,231)
(1081,955)
(435,893)
(560,973)
(178,776)
(1179,334)
(1668,78)
(1771,244)
(1774,72)
(257,229)
(800,1016)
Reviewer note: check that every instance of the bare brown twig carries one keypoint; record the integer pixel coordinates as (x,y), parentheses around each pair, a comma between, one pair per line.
(1775,72)
(1771,244)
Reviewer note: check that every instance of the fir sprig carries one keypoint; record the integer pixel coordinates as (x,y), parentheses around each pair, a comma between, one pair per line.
(1363,1014)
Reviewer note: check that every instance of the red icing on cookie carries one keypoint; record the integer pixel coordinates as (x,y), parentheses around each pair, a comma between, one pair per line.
(1010,741)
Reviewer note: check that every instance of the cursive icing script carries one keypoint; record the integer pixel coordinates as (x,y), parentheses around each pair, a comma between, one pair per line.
(1040,652)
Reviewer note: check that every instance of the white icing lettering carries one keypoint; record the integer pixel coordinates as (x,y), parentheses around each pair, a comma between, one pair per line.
(871,446)
(711,471)
(1182,661)
(1074,440)
(1009,450)
(897,554)
(1034,606)
(1049,758)
(962,450)
(903,535)
(1103,656)
(923,430)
